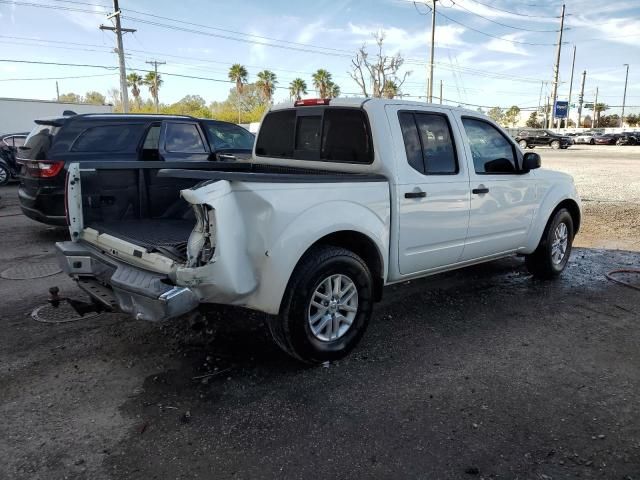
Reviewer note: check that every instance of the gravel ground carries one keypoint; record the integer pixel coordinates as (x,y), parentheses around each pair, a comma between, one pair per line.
(480,373)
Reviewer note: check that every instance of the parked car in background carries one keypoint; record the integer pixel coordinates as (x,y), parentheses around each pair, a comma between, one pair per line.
(584,138)
(606,139)
(539,137)
(628,138)
(341,198)
(55,142)
(9,144)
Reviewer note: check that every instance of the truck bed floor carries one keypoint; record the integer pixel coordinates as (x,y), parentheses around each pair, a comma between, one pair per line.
(152,234)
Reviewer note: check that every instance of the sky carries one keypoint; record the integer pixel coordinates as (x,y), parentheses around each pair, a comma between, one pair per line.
(488,52)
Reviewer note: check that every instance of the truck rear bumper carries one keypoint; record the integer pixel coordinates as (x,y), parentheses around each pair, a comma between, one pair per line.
(143,294)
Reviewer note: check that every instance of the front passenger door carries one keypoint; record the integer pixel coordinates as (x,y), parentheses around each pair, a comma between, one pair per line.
(503,198)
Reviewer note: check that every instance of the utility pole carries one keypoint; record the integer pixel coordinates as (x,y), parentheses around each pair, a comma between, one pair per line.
(573,64)
(546,112)
(433,39)
(155,64)
(556,68)
(440,92)
(57,91)
(595,105)
(581,97)
(624,95)
(124,93)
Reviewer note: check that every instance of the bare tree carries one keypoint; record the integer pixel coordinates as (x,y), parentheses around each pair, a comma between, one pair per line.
(372,74)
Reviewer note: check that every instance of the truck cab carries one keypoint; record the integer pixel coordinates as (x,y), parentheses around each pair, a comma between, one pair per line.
(340,198)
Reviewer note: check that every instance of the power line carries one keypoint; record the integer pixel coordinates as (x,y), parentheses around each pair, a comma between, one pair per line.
(513,13)
(500,23)
(55,78)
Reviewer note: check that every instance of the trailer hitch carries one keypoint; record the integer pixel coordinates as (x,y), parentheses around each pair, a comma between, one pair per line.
(81,307)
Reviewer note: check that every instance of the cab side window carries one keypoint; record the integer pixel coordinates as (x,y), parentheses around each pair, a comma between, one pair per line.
(492,152)
(428,143)
(183,138)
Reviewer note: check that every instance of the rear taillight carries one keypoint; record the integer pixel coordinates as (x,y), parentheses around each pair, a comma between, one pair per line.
(43,168)
(307,102)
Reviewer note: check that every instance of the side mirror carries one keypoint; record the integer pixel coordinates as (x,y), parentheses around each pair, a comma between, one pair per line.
(531,161)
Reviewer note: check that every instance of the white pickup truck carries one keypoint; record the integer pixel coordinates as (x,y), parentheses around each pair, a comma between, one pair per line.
(341,198)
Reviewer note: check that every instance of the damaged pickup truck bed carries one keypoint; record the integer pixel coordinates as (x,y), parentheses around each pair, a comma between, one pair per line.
(340,198)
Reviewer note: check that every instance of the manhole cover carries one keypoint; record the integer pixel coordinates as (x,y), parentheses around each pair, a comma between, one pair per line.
(31,270)
(64,313)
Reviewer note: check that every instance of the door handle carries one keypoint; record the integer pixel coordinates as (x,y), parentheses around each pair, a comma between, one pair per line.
(480,190)
(418,194)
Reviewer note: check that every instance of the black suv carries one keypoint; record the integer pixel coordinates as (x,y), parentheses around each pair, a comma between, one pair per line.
(55,142)
(535,138)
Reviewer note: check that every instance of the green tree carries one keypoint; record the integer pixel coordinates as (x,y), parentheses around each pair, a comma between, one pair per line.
(390,89)
(134,81)
(297,88)
(333,90)
(512,115)
(238,74)
(193,105)
(496,114)
(532,121)
(153,84)
(70,98)
(632,120)
(266,83)
(245,108)
(586,121)
(95,98)
(322,82)
(599,108)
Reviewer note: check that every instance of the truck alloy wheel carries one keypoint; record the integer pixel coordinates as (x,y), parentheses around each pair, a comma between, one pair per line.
(552,254)
(327,305)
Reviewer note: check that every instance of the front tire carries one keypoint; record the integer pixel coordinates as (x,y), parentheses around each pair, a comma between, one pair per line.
(523,144)
(327,306)
(551,257)
(555,144)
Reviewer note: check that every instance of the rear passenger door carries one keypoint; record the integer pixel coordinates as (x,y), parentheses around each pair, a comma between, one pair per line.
(432,188)
(183,140)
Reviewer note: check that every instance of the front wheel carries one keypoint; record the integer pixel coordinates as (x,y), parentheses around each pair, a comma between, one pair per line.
(592,142)
(327,306)
(523,144)
(551,256)
(5,175)
(555,144)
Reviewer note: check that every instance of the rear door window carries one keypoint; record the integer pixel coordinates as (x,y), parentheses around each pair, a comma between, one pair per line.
(109,138)
(325,134)
(428,143)
(183,138)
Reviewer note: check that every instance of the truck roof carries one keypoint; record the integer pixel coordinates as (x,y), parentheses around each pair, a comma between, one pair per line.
(358,102)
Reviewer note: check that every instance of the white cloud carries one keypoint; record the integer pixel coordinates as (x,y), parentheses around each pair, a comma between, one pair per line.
(503,46)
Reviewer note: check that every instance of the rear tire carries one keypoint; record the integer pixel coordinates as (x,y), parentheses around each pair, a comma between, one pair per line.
(555,144)
(551,257)
(523,144)
(318,321)
(5,175)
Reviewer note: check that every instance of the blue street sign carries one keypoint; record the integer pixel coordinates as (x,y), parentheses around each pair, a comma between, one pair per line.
(561,109)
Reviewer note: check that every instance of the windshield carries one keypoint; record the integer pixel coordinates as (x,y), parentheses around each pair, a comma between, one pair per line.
(227,136)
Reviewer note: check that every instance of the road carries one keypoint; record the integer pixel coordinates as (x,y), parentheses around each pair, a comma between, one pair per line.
(481,373)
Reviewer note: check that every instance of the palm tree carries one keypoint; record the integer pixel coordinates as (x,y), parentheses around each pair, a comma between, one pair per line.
(333,90)
(297,88)
(238,74)
(599,108)
(154,83)
(321,82)
(135,82)
(390,89)
(266,84)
